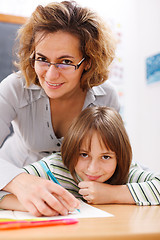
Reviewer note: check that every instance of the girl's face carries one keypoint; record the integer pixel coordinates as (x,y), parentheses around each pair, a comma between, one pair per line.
(58,47)
(97,164)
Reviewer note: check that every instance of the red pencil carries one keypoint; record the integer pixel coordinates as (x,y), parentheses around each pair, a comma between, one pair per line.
(31,224)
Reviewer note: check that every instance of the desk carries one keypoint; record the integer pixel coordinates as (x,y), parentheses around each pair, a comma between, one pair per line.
(129,222)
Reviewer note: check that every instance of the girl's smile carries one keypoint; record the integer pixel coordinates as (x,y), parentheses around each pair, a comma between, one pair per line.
(93,178)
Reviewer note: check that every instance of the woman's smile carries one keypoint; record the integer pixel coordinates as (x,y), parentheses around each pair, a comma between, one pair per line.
(54,85)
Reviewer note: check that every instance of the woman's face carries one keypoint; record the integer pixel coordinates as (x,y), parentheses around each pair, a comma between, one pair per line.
(96,163)
(58,47)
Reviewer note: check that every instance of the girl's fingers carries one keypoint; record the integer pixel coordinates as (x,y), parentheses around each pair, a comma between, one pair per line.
(88,198)
(83,191)
(84,184)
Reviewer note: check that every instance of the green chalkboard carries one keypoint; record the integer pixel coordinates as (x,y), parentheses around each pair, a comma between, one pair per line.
(8,33)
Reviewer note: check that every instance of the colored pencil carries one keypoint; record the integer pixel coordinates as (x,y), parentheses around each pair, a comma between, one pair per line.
(31,224)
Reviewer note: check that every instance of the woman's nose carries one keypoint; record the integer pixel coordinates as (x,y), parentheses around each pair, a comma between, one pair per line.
(52,72)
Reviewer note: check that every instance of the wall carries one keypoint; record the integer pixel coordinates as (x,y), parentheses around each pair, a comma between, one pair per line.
(140,20)
(149,104)
(142,111)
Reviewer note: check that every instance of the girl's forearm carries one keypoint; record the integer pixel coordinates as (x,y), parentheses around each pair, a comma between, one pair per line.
(102,193)
(119,194)
(10,202)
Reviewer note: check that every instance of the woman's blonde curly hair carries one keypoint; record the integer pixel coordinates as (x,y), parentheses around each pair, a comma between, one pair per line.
(96,40)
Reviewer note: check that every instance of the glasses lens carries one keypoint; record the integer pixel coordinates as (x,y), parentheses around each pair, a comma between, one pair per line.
(42,63)
(64,67)
(60,66)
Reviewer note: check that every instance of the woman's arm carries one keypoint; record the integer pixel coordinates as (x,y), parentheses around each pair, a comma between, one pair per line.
(40,196)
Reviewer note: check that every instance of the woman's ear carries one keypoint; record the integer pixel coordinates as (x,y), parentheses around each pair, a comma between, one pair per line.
(87,65)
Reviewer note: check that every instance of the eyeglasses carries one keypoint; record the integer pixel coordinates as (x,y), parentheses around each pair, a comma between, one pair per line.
(62,67)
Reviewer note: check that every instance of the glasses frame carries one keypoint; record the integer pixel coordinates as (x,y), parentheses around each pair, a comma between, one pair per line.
(32,60)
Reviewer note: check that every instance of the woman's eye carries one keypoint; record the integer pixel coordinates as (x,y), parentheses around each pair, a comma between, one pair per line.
(42,59)
(66,61)
(84,155)
(106,157)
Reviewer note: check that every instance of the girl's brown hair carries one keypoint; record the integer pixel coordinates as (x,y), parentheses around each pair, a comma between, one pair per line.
(96,40)
(109,125)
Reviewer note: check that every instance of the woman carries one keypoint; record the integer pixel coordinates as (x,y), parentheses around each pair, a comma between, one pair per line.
(64,56)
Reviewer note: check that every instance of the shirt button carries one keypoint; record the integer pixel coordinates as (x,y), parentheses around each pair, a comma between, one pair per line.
(58,144)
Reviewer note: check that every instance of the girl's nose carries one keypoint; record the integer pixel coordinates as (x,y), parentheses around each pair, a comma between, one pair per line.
(52,72)
(93,166)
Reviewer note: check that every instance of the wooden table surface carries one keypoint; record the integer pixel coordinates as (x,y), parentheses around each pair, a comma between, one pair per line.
(129,222)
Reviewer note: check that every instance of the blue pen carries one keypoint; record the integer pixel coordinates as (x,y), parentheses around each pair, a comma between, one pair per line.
(50,174)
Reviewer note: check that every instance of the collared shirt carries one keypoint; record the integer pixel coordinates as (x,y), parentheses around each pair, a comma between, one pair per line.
(28,109)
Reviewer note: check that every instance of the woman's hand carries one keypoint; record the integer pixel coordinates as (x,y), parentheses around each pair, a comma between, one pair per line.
(102,193)
(41,197)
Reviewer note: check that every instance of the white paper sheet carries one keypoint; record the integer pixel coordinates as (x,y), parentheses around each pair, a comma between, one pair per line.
(86,211)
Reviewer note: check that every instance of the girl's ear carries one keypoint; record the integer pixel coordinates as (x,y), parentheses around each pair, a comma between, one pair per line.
(88,65)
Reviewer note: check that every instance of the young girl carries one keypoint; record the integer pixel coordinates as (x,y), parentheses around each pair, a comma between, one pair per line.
(96,167)
(98,154)
(96,150)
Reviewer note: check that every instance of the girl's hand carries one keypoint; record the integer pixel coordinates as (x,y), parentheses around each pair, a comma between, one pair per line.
(102,193)
(92,191)
(41,197)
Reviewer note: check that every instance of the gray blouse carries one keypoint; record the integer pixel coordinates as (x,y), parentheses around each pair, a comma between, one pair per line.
(28,109)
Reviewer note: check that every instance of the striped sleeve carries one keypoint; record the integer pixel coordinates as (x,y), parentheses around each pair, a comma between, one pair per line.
(55,165)
(144,185)
(36,169)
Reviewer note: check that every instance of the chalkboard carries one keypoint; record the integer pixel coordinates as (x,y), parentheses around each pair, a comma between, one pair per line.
(8,32)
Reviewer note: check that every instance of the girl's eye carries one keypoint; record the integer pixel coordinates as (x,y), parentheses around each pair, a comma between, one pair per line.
(67,61)
(84,155)
(106,157)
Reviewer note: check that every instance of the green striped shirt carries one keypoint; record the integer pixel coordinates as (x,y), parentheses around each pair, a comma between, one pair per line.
(144,185)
